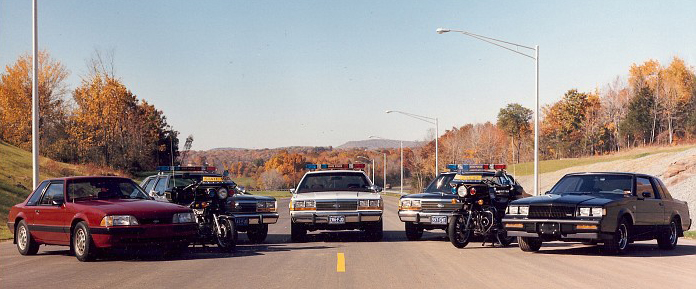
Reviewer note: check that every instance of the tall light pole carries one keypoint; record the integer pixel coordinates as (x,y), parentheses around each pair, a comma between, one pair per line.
(401,187)
(506,45)
(373,166)
(431,120)
(35,99)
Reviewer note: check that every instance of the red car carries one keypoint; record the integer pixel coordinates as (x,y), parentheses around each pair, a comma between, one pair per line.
(90,214)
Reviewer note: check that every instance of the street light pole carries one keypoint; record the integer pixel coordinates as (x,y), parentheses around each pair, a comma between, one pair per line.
(35,99)
(384,181)
(502,44)
(431,120)
(401,188)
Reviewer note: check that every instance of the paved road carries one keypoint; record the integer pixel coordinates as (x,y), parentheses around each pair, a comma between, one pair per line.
(392,263)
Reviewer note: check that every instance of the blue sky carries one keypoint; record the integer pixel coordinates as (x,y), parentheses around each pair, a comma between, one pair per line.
(258,74)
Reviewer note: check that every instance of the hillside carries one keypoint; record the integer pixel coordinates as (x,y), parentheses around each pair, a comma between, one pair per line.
(15,176)
(379,144)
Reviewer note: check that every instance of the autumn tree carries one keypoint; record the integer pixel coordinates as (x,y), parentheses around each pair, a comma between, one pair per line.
(514,120)
(638,121)
(15,105)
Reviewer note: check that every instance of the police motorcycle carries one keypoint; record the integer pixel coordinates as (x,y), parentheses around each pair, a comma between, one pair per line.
(208,198)
(485,191)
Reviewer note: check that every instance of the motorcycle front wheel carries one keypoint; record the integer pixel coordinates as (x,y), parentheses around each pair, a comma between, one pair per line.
(459,235)
(227,235)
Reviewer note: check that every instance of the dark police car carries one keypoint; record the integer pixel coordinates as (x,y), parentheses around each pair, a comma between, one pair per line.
(252,214)
(433,208)
(610,208)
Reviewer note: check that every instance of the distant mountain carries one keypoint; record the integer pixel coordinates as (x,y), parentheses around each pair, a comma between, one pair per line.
(379,143)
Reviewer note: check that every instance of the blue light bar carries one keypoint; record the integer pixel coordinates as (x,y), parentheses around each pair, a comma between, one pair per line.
(311,166)
(452,167)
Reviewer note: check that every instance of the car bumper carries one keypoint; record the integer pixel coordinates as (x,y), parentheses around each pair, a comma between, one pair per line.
(555,229)
(143,235)
(421,217)
(313,217)
(257,218)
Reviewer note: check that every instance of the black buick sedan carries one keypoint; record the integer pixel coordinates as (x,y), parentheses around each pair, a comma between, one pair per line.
(614,209)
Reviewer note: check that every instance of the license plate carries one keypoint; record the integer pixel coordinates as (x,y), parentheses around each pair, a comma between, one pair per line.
(337,220)
(241,221)
(438,220)
(549,228)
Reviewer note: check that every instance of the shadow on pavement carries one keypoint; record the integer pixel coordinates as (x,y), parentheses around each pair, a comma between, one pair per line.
(642,249)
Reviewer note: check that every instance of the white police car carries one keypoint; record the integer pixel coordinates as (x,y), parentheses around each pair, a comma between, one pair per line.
(336,197)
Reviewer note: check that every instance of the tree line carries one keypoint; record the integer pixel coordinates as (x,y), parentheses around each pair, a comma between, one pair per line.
(99,122)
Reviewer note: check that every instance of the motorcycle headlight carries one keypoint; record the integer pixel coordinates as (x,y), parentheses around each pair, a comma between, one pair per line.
(597,212)
(461,191)
(513,210)
(183,218)
(584,212)
(524,210)
(118,220)
(222,193)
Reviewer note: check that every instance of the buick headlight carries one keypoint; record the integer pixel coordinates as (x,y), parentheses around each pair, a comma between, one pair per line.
(183,218)
(524,210)
(597,212)
(119,220)
(222,193)
(461,191)
(513,210)
(584,212)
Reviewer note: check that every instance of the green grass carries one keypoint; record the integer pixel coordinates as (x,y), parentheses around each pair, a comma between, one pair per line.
(525,169)
(275,194)
(690,234)
(244,181)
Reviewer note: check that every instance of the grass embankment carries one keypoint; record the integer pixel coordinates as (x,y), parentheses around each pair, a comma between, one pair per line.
(690,235)
(16,182)
(525,169)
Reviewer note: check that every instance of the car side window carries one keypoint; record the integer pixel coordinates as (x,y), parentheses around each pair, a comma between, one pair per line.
(54,192)
(150,184)
(161,185)
(644,185)
(663,190)
(37,194)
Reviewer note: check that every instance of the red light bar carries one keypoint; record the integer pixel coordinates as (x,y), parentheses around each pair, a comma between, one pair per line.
(358,166)
(499,167)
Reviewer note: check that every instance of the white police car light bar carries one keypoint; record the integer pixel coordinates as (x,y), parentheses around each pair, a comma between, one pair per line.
(186,169)
(334,166)
(477,167)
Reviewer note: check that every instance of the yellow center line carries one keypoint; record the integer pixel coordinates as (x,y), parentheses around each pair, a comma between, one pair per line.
(340,263)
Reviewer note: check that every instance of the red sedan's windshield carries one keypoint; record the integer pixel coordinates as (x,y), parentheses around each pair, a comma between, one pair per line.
(104,188)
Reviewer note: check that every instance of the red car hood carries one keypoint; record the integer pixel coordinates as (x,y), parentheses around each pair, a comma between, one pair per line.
(137,208)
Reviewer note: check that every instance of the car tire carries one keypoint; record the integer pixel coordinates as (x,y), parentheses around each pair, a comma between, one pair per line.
(257,234)
(529,244)
(668,239)
(620,240)
(413,231)
(503,238)
(26,245)
(375,231)
(457,236)
(298,233)
(82,243)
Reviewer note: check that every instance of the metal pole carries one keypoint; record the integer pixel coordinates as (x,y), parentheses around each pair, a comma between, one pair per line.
(35,100)
(437,147)
(402,168)
(373,171)
(385,171)
(536,125)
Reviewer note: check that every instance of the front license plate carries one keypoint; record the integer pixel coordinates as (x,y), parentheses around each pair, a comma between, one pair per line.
(337,220)
(438,220)
(549,228)
(241,221)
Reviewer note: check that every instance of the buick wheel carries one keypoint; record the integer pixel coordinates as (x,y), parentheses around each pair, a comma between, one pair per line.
(668,240)
(529,244)
(25,242)
(619,243)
